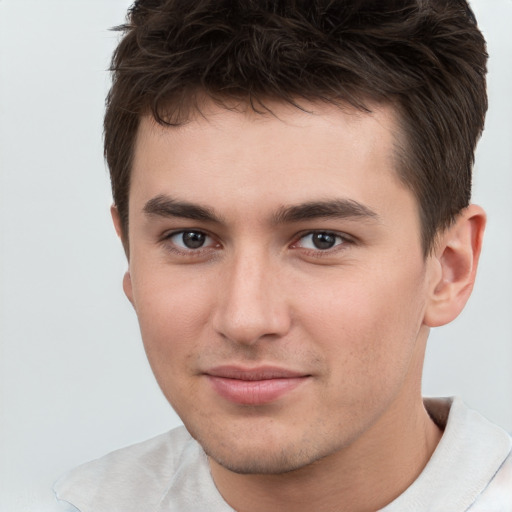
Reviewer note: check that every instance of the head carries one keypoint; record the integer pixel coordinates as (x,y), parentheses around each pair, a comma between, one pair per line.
(291,182)
(425,58)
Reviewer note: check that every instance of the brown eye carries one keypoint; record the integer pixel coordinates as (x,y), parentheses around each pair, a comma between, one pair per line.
(323,240)
(189,239)
(320,240)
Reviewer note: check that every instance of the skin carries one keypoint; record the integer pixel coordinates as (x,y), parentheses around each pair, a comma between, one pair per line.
(352,319)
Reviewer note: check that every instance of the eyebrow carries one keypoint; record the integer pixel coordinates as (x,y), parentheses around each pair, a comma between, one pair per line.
(336,208)
(166,206)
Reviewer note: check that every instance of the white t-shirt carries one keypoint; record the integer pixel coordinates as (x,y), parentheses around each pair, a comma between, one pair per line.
(470,471)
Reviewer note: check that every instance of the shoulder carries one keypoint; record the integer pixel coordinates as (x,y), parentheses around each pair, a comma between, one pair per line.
(470,470)
(131,474)
(479,456)
(497,496)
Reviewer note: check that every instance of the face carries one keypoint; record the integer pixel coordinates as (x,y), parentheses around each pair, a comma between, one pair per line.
(277,273)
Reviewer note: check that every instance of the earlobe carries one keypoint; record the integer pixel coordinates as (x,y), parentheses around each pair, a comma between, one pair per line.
(455,262)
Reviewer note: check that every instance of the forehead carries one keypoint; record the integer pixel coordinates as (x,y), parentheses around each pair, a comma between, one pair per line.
(285,156)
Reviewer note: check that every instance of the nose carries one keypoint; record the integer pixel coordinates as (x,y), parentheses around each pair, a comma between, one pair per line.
(252,303)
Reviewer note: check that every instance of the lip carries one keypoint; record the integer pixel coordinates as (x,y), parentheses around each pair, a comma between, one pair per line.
(254,386)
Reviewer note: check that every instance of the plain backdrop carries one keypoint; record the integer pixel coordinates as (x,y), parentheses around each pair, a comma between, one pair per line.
(74,380)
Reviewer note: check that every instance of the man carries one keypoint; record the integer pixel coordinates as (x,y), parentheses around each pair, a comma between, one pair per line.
(291,185)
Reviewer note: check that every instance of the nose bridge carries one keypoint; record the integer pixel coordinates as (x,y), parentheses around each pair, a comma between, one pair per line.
(251,304)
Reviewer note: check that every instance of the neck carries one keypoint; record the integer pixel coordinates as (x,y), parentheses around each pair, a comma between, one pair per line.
(363,477)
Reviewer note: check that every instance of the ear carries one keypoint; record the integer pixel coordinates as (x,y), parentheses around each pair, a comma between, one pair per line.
(127,279)
(127,287)
(116,219)
(455,261)
(118,225)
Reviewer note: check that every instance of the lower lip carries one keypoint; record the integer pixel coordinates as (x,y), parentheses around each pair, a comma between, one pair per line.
(254,392)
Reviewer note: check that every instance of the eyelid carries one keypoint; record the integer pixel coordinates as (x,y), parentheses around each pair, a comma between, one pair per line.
(166,239)
(345,240)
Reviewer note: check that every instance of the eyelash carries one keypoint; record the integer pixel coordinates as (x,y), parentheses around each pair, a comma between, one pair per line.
(171,246)
(341,238)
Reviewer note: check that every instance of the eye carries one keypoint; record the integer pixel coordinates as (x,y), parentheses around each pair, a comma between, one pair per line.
(190,240)
(320,240)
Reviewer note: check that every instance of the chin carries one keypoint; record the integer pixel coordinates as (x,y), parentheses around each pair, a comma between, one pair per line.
(263,464)
(262,458)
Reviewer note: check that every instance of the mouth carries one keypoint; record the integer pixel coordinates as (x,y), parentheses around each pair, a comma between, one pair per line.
(254,386)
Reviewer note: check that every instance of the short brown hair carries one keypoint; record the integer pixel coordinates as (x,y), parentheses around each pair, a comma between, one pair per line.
(425,57)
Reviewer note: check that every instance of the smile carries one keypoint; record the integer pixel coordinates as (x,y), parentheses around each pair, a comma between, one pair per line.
(256,386)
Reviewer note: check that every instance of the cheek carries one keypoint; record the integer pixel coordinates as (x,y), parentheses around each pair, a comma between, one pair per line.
(172,311)
(172,315)
(364,327)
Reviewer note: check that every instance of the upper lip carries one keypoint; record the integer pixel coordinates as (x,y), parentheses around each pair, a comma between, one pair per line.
(257,373)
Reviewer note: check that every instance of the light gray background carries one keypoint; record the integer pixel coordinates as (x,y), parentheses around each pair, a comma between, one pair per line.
(73,376)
